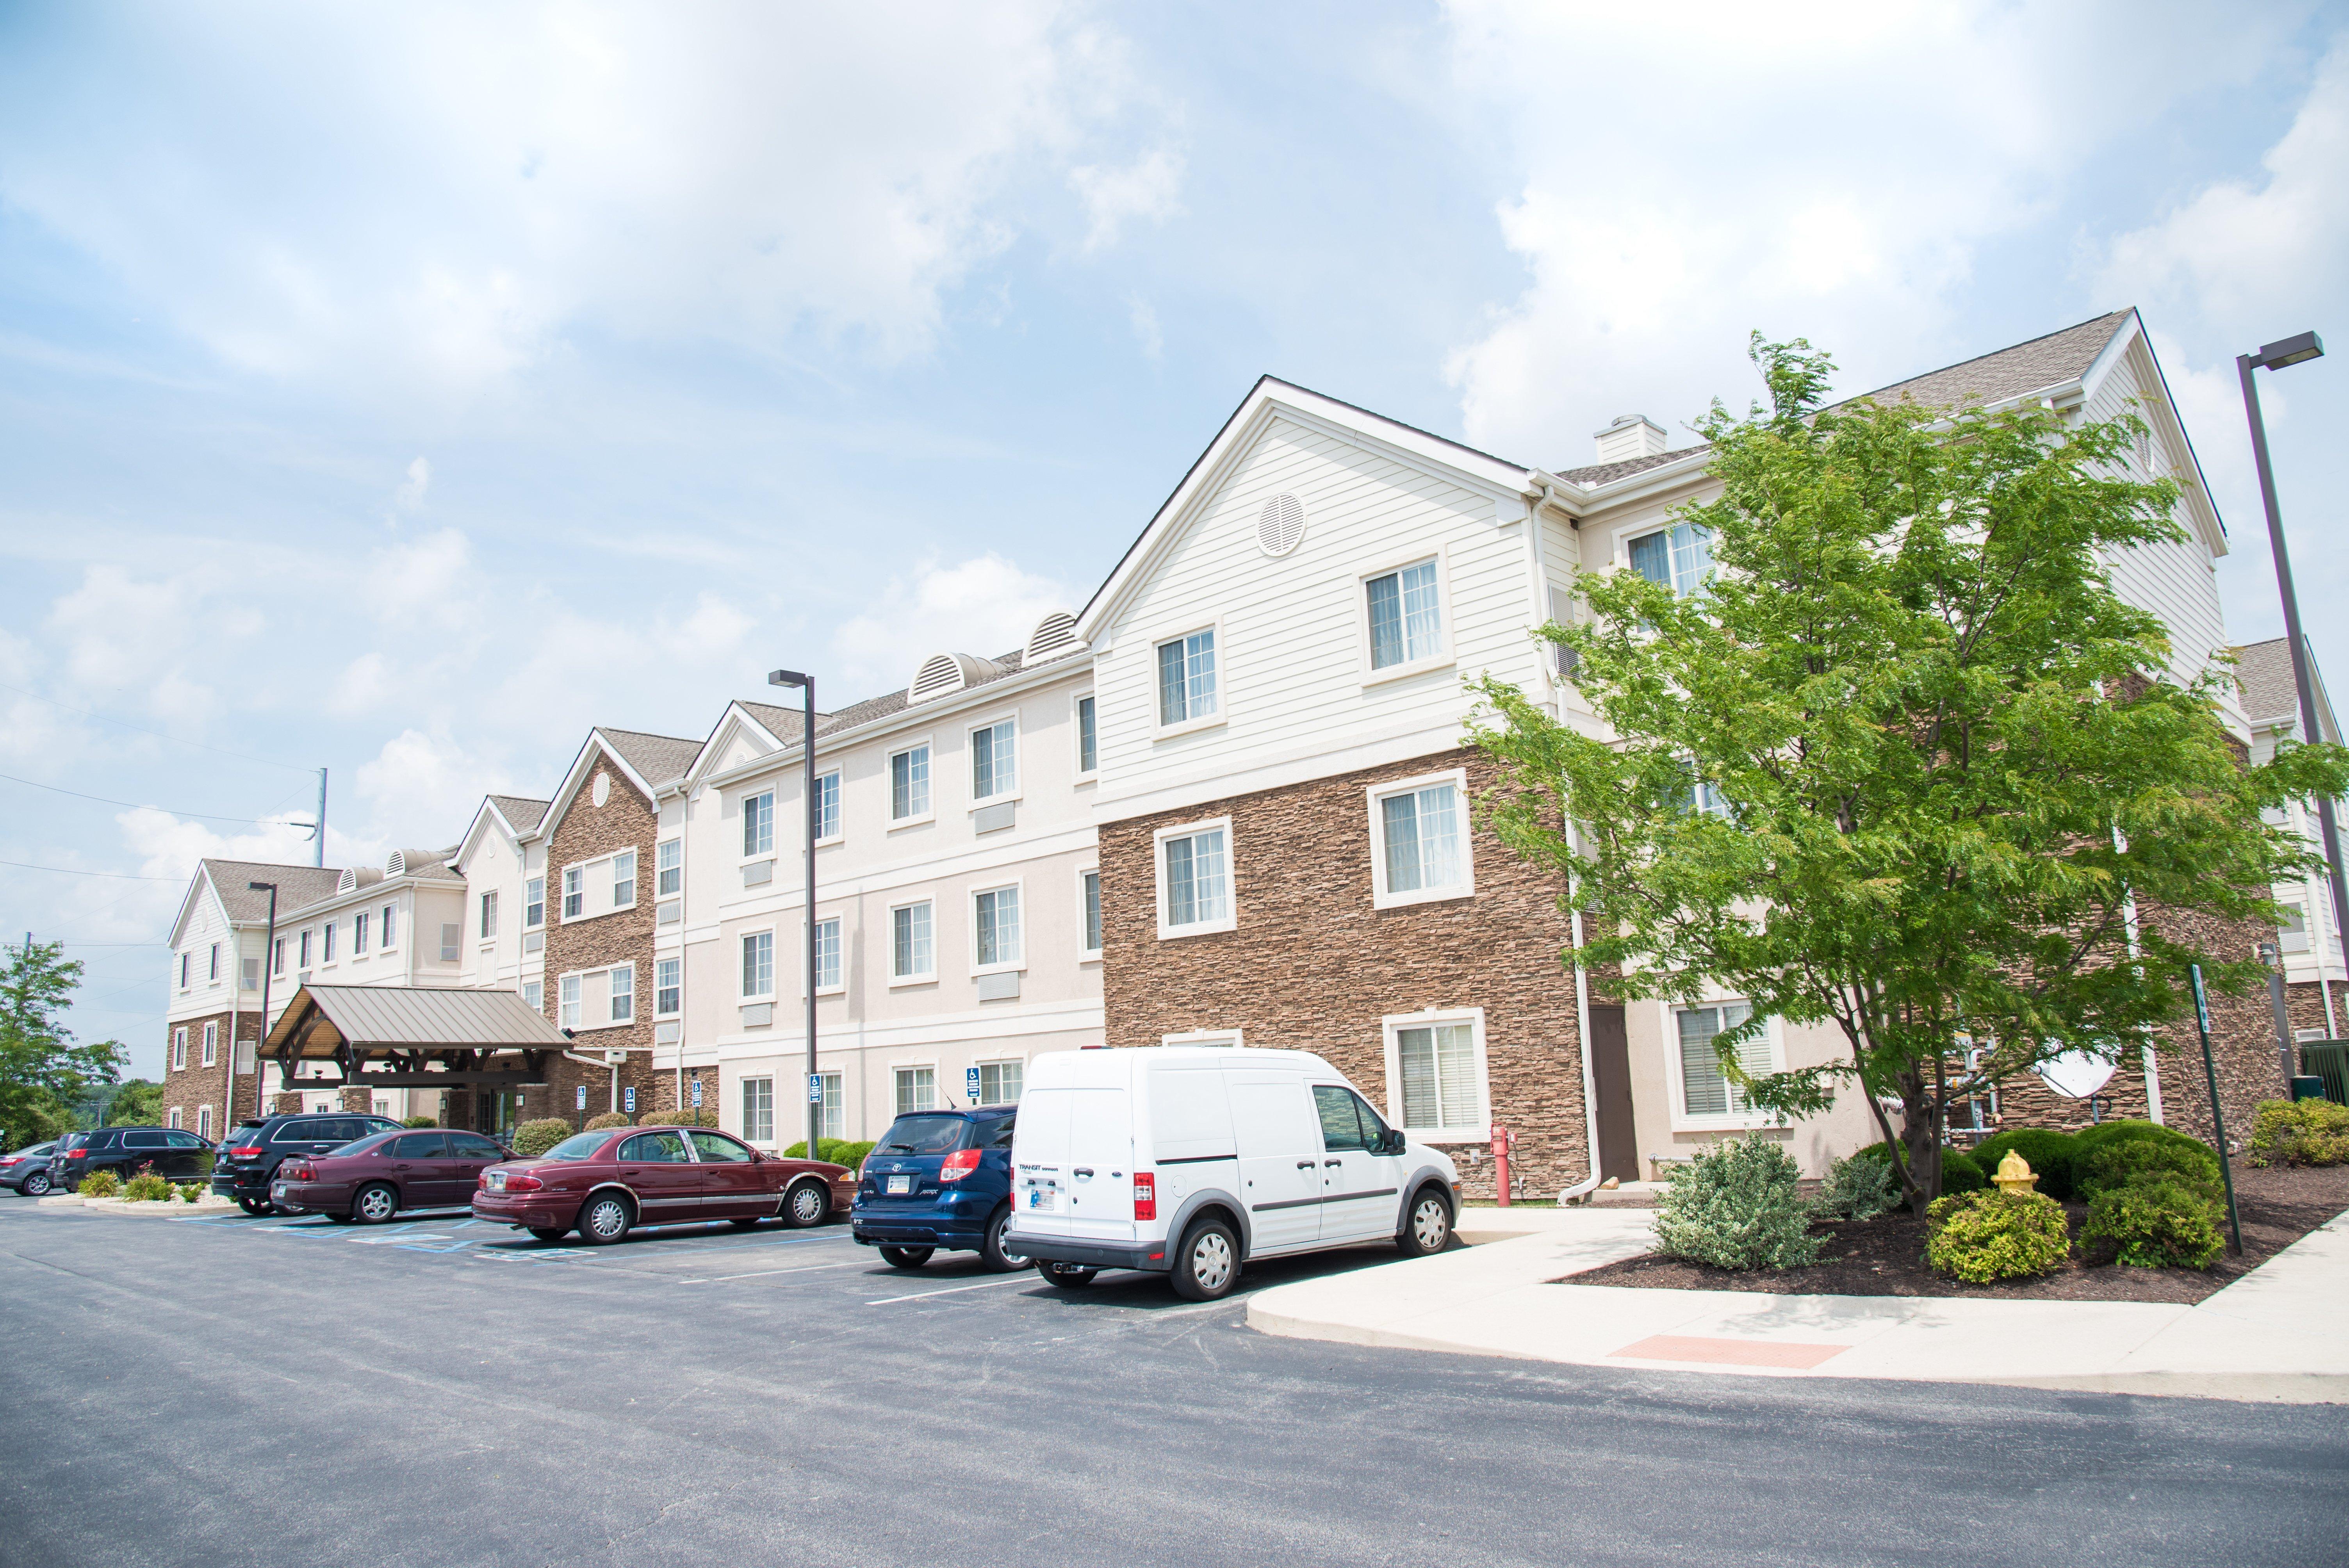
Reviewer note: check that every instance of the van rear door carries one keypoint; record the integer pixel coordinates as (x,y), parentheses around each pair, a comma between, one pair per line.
(1040,1160)
(1101,1164)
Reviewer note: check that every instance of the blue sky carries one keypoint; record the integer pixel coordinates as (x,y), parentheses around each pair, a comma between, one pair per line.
(404,389)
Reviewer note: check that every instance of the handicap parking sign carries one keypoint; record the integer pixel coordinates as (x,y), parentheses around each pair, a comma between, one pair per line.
(697,1094)
(628,1101)
(970,1082)
(582,1097)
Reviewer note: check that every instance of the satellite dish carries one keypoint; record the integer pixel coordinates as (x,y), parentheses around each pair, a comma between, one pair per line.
(2076,1075)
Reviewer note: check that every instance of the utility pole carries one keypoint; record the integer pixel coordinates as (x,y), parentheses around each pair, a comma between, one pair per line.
(319,852)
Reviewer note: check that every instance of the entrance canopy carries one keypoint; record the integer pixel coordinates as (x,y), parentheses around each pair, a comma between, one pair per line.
(406,1036)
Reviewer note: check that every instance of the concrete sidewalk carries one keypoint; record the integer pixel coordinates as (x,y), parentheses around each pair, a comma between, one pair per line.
(2271,1336)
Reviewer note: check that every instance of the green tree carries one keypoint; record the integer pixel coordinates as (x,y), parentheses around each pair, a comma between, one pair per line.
(1906,764)
(135,1104)
(42,1071)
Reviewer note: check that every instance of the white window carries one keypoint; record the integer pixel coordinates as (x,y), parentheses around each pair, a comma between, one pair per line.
(1679,557)
(2291,936)
(995,760)
(277,957)
(911,953)
(998,1082)
(1405,617)
(359,933)
(624,880)
(1087,739)
(183,965)
(758,1110)
(758,824)
(668,988)
(173,1118)
(827,806)
(1232,1038)
(251,968)
(1194,886)
(995,929)
(918,1089)
(570,1002)
(211,1043)
(668,868)
(833,1121)
(489,914)
(216,968)
(1088,892)
(305,954)
(453,937)
(1706,1092)
(390,927)
(203,1121)
(758,965)
(534,993)
(179,1049)
(327,946)
(1186,679)
(827,955)
(624,994)
(909,783)
(1436,1074)
(534,904)
(1419,840)
(574,892)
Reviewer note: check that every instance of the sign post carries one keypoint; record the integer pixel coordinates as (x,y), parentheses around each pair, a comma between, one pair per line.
(2218,1119)
(628,1099)
(970,1083)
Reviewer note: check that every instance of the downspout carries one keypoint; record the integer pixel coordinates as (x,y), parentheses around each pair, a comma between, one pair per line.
(2145,1041)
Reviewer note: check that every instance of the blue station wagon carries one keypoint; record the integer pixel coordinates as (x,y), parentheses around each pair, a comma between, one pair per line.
(939,1181)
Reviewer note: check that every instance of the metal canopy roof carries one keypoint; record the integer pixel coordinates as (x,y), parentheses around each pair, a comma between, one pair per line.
(322,1020)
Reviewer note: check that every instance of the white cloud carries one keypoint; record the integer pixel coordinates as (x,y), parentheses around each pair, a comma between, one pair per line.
(409,495)
(420,790)
(1148,188)
(986,605)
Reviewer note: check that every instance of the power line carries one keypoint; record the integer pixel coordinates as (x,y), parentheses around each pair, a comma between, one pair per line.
(141,806)
(160,735)
(68,870)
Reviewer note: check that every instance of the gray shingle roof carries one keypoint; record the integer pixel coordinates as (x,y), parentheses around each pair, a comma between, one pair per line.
(882,706)
(2048,361)
(296,886)
(782,723)
(522,814)
(658,759)
(2263,671)
(1607,473)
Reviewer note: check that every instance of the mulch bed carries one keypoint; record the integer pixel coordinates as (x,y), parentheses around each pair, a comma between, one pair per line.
(1886,1255)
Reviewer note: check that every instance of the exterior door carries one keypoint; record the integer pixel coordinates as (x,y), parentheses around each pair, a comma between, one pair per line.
(1359,1191)
(1280,1159)
(661,1173)
(733,1186)
(1610,1077)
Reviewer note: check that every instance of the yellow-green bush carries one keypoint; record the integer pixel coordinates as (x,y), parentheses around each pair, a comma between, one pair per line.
(2300,1133)
(147,1187)
(2156,1220)
(687,1117)
(1980,1237)
(610,1119)
(100,1184)
(532,1139)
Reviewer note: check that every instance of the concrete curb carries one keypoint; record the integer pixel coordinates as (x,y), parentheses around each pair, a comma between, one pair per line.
(168,1208)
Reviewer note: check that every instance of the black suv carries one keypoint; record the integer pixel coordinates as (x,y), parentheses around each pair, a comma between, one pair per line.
(126,1150)
(250,1156)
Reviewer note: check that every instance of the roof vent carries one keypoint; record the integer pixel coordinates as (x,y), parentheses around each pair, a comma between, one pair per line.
(1280,525)
(942,674)
(1055,635)
(1630,436)
(347,880)
(398,865)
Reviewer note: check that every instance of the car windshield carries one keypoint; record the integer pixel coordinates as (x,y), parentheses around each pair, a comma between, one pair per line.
(578,1146)
(924,1135)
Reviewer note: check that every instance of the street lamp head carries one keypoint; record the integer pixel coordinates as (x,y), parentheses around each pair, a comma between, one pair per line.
(260,887)
(2290,351)
(788,678)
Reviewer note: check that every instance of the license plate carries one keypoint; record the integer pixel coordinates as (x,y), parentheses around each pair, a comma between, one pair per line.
(278,1191)
(899,1185)
(497,1180)
(1039,1198)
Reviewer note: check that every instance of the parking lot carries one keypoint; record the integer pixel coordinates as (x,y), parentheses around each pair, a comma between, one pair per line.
(227,1391)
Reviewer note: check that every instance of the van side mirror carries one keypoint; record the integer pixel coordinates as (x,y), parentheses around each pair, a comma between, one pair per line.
(1393,1143)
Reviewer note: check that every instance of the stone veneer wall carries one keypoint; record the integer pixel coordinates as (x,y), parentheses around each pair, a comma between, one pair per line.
(626,820)
(197,1085)
(1313,966)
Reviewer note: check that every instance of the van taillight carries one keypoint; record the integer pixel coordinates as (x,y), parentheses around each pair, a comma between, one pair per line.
(1145,1195)
(959,1164)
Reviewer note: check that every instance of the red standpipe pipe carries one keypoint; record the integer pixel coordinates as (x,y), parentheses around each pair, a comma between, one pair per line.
(1502,1138)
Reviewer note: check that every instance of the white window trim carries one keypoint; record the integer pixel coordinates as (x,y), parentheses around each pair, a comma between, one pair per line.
(1381,898)
(658,844)
(840,799)
(1018,762)
(774,962)
(1443,658)
(385,921)
(581,976)
(1676,1090)
(888,785)
(606,1021)
(540,924)
(677,1011)
(841,919)
(1093,954)
(890,936)
(1078,772)
(938,1088)
(1223,683)
(775,826)
(635,1014)
(1231,880)
(1017,885)
(1392,1025)
(1232,1038)
(636,882)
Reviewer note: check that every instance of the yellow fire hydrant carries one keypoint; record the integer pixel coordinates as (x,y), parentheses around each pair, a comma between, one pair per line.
(2014,1174)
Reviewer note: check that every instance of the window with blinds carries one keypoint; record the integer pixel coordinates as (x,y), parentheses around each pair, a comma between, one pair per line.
(758,1110)
(1706,1090)
(1438,1063)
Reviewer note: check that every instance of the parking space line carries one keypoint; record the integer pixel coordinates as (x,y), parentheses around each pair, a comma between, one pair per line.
(761,1273)
(950,1290)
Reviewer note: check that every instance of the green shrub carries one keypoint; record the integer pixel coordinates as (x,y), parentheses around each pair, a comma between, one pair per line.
(610,1119)
(98,1184)
(1858,1188)
(147,1187)
(2130,1160)
(1959,1171)
(2156,1220)
(1979,1237)
(1735,1206)
(191,1191)
(2088,1140)
(2302,1132)
(421,1122)
(685,1116)
(838,1150)
(2049,1153)
(532,1139)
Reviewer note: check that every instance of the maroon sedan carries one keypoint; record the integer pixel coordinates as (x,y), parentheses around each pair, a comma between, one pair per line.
(608,1182)
(369,1181)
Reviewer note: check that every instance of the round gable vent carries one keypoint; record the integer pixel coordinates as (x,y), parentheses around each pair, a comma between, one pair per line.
(602,788)
(1280,525)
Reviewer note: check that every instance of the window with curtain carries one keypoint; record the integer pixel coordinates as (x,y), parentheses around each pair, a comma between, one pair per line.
(1438,1063)
(759,964)
(1406,623)
(909,783)
(1187,678)
(1420,839)
(997,916)
(1678,558)
(1197,883)
(1706,1090)
(668,868)
(994,761)
(910,955)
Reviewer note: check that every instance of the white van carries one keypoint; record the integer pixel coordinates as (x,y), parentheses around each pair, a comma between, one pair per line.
(1194,1160)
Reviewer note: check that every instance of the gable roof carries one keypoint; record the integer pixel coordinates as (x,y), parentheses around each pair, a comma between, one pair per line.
(296,886)
(411,1017)
(655,758)
(782,723)
(521,814)
(2055,360)
(2271,695)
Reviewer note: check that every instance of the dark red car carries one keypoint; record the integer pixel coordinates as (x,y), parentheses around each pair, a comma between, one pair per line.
(369,1180)
(608,1182)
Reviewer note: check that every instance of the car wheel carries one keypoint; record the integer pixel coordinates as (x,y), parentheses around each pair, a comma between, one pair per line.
(604,1219)
(906,1257)
(256,1207)
(1068,1276)
(375,1204)
(35,1185)
(1427,1229)
(547,1233)
(807,1204)
(1207,1264)
(998,1258)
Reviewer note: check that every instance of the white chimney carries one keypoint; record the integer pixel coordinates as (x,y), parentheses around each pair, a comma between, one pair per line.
(1630,435)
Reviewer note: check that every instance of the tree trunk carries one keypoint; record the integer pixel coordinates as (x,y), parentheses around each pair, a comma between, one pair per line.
(1921,1141)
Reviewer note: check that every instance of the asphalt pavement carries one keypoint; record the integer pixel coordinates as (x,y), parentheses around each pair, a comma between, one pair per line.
(227,1391)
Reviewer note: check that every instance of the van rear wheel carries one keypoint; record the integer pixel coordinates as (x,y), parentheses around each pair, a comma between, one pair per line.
(1207,1264)
(906,1257)
(1427,1229)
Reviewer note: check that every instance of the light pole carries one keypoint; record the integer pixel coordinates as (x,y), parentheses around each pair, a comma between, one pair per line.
(2275,356)
(807,791)
(268,964)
